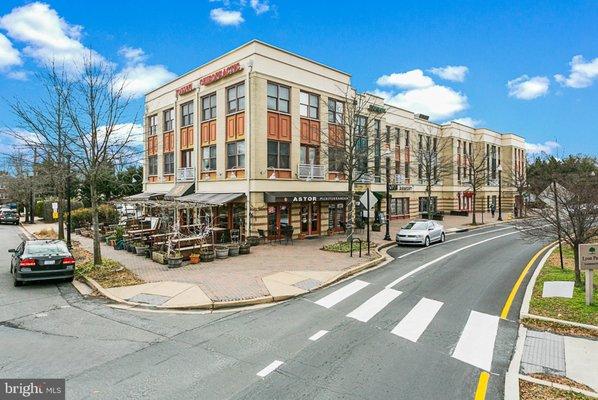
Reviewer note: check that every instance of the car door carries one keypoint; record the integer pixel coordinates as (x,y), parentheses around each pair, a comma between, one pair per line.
(431,232)
(14,260)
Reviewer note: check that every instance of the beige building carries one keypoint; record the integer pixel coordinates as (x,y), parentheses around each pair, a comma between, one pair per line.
(249,134)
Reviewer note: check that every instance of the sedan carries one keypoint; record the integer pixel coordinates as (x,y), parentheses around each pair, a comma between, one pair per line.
(422,232)
(41,260)
(8,216)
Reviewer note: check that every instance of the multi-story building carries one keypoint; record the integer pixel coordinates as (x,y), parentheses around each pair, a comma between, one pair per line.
(248,134)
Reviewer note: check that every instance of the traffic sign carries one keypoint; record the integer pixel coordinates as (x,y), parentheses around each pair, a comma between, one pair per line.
(364,199)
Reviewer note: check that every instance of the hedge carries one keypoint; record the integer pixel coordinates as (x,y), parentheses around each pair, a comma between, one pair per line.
(81,217)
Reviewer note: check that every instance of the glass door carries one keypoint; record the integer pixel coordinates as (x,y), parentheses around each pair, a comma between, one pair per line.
(314,228)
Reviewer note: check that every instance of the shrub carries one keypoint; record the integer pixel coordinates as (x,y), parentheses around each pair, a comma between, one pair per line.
(82,217)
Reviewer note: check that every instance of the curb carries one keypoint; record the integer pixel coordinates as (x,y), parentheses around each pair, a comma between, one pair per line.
(216,305)
(559,321)
(567,388)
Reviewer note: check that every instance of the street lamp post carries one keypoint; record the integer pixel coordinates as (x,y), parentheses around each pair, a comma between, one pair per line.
(499,169)
(387,154)
(68,202)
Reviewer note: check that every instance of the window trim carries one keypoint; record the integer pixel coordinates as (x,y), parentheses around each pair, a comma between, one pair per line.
(237,98)
(278,98)
(212,108)
(309,106)
(152,129)
(165,121)
(190,115)
(335,112)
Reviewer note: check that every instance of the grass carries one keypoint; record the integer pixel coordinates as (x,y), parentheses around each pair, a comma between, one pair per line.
(533,391)
(559,329)
(345,247)
(573,309)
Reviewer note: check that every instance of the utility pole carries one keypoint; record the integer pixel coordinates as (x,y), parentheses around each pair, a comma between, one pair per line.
(558,221)
(32,193)
(387,235)
(68,202)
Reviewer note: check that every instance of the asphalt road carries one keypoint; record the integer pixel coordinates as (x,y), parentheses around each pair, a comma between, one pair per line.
(422,327)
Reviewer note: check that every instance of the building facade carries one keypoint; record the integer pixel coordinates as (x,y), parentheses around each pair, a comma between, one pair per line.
(249,133)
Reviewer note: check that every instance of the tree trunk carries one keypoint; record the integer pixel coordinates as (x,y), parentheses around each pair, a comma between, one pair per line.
(60,213)
(350,210)
(577,271)
(97,255)
(429,206)
(473,220)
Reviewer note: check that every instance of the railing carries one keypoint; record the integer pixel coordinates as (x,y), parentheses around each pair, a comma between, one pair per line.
(185,174)
(311,171)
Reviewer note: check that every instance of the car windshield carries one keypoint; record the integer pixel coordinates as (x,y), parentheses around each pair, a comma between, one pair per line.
(46,248)
(418,226)
(9,213)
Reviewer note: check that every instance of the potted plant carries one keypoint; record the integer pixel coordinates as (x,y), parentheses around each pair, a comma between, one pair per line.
(253,240)
(148,252)
(376,226)
(233,249)
(140,248)
(111,240)
(175,259)
(194,258)
(159,257)
(118,238)
(207,255)
(221,251)
(330,232)
(244,248)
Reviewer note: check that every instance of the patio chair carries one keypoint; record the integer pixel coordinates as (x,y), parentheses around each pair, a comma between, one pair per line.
(262,235)
(288,234)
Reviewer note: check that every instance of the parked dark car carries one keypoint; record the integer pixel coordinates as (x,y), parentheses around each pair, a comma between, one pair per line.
(8,216)
(40,260)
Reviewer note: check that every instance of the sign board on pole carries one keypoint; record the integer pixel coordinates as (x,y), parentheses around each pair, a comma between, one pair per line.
(364,199)
(55,206)
(55,214)
(588,256)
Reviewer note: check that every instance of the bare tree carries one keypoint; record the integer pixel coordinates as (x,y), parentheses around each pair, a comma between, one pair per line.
(475,162)
(518,180)
(96,109)
(433,157)
(353,138)
(577,202)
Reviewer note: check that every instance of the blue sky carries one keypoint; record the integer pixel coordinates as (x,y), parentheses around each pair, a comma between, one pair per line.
(525,67)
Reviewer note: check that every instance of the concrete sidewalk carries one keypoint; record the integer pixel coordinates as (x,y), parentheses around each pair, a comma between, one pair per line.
(272,272)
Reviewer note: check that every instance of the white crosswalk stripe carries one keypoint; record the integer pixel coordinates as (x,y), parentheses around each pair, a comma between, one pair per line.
(476,343)
(374,305)
(341,294)
(417,320)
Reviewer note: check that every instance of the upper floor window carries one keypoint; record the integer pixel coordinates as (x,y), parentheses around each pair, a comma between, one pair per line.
(152,165)
(168,163)
(168,120)
(152,124)
(187,113)
(208,107)
(235,98)
(406,138)
(309,105)
(398,138)
(278,97)
(235,154)
(208,158)
(278,154)
(336,111)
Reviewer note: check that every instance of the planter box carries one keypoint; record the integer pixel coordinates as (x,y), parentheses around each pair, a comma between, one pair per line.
(233,250)
(376,227)
(244,249)
(207,257)
(194,258)
(140,251)
(222,252)
(253,240)
(175,262)
(159,257)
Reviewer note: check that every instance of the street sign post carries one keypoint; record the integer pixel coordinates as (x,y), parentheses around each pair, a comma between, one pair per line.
(588,261)
(369,201)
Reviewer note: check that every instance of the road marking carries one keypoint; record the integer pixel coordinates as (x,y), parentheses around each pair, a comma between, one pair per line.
(374,305)
(476,344)
(426,265)
(417,320)
(453,240)
(317,335)
(505,310)
(273,365)
(342,293)
(480,393)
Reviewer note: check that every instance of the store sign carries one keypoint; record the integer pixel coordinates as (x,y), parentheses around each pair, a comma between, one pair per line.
(224,72)
(184,89)
(405,187)
(301,197)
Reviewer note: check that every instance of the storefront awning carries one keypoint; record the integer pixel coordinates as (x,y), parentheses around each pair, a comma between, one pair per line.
(180,189)
(212,199)
(289,197)
(144,196)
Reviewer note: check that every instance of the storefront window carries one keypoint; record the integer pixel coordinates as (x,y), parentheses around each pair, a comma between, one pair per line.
(399,206)
(336,216)
(423,204)
(279,216)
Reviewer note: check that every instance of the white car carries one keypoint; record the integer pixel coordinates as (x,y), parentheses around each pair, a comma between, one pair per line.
(422,232)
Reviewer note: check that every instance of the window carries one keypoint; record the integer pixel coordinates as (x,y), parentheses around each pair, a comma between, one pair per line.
(152,124)
(335,159)
(152,165)
(168,163)
(309,105)
(423,204)
(208,158)
(278,154)
(187,114)
(187,158)
(387,135)
(235,98)
(309,155)
(208,107)
(377,150)
(361,145)
(407,170)
(168,120)
(399,206)
(278,97)
(335,111)
(398,138)
(235,155)
(406,138)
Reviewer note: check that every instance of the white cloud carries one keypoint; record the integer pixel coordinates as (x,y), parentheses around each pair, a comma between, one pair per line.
(526,88)
(455,73)
(132,54)
(582,73)
(9,56)
(468,121)
(260,7)
(138,79)
(406,80)
(547,147)
(226,17)
(18,75)
(47,36)
(436,101)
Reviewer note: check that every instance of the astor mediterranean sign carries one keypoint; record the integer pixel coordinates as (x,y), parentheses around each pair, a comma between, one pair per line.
(222,73)
(300,197)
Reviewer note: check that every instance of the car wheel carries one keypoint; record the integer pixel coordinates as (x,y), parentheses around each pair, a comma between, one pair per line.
(427,241)
(72,278)
(442,238)
(18,283)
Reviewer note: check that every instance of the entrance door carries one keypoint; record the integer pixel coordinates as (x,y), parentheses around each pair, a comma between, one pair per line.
(310,218)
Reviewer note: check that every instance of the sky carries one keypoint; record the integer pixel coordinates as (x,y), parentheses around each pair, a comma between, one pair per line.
(525,67)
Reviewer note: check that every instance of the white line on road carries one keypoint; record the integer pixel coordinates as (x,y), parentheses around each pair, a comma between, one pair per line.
(417,320)
(434,261)
(476,344)
(273,365)
(374,305)
(317,335)
(342,293)
(453,240)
